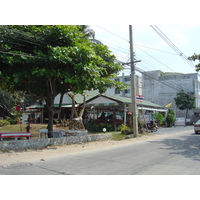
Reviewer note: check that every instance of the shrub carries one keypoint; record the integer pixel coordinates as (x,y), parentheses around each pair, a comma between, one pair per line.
(12,120)
(99,127)
(171,118)
(4,123)
(124,129)
(158,117)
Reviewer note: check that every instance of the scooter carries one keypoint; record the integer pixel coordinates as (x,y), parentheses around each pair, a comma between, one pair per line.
(152,128)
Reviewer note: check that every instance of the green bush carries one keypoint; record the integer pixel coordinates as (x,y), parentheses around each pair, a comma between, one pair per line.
(15,118)
(12,120)
(4,123)
(124,129)
(158,117)
(99,127)
(171,118)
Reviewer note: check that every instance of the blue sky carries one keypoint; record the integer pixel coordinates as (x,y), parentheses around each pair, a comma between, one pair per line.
(150,48)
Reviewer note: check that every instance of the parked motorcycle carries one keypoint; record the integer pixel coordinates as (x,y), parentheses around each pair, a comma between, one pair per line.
(152,128)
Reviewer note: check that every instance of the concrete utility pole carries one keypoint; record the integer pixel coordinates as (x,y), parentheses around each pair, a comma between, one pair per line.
(133,85)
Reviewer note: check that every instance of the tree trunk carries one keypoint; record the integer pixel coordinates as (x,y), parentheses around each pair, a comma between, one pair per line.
(50,123)
(73,111)
(186,114)
(83,108)
(50,97)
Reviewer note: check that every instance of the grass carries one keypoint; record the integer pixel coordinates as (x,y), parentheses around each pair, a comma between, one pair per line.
(120,136)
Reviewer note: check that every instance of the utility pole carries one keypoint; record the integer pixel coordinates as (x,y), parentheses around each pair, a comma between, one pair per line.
(133,85)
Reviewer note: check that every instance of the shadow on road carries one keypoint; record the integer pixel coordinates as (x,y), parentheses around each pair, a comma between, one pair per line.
(187,146)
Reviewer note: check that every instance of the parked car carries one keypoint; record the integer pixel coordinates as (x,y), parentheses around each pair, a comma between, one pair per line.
(197,126)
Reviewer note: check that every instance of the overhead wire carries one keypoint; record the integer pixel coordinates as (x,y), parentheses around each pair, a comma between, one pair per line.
(24,39)
(172,45)
(17,54)
(140,70)
(139,48)
(155,59)
(113,33)
(151,76)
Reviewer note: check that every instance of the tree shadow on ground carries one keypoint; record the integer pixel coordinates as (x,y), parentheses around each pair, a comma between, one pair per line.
(187,146)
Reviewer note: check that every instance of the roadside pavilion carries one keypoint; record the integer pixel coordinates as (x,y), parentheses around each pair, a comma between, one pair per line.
(100,108)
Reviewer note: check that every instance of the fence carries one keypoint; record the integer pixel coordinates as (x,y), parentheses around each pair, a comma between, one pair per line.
(43,142)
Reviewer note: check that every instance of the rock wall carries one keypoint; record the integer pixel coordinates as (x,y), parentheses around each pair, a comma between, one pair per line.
(43,142)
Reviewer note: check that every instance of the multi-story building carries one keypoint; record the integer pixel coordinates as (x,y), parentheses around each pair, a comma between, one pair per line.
(127,80)
(161,88)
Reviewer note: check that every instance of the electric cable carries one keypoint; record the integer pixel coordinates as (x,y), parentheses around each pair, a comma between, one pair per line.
(172,45)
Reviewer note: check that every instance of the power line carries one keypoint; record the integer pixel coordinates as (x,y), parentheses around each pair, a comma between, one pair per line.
(17,54)
(140,49)
(156,59)
(113,33)
(155,49)
(172,45)
(25,35)
(125,50)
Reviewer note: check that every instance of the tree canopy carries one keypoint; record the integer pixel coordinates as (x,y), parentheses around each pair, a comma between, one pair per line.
(185,101)
(47,60)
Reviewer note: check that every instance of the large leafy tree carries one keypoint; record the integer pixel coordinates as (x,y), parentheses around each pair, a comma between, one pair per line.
(185,101)
(48,60)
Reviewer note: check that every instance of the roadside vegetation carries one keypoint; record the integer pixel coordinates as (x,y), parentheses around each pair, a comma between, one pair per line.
(117,135)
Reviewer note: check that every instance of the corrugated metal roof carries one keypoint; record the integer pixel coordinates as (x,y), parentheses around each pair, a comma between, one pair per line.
(127,100)
(95,94)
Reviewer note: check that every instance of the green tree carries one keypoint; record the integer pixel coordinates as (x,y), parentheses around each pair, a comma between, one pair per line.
(171,118)
(185,101)
(158,117)
(48,60)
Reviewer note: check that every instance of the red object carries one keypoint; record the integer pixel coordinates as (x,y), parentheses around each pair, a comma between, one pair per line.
(129,113)
(139,98)
(17,108)
(14,134)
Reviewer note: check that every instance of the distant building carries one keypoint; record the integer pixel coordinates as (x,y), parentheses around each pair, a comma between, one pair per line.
(127,80)
(161,88)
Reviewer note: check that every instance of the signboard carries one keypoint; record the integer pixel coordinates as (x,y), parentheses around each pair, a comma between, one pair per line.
(180,121)
(145,119)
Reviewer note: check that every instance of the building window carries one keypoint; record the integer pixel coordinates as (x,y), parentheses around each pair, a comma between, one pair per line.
(127,79)
(127,91)
(117,79)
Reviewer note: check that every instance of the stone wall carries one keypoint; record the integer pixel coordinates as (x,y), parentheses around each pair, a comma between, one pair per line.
(43,142)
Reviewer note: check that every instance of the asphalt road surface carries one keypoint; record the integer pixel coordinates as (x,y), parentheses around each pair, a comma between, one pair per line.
(178,152)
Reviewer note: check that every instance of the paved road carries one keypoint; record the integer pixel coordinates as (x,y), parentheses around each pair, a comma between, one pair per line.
(178,152)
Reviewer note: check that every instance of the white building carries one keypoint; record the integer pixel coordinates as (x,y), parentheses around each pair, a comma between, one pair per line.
(161,88)
(127,80)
